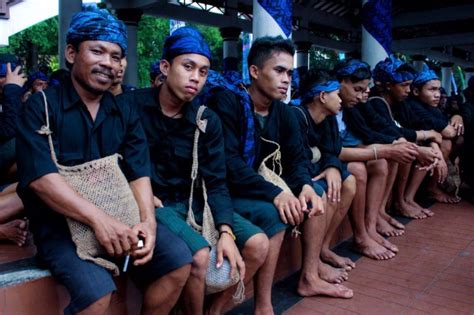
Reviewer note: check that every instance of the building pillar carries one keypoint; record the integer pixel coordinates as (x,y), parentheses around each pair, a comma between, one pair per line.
(446,73)
(67,8)
(302,56)
(272,18)
(230,60)
(418,62)
(131,17)
(376,30)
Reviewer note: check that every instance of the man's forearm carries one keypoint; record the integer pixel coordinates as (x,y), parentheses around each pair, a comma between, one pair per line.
(57,194)
(143,193)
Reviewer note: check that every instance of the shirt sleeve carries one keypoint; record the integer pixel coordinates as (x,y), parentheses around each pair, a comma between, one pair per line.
(244,181)
(11,103)
(136,157)
(32,149)
(330,145)
(356,123)
(213,169)
(294,161)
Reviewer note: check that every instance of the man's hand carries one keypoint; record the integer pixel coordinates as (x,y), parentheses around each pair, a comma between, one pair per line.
(289,208)
(226,248)
(434,136)
(426,156)
(399,140)
(334,180)
(441,171)
(117,238)
(309,195)
(458,124)
(14,77)
(404,152)
(147,231)
(157,202)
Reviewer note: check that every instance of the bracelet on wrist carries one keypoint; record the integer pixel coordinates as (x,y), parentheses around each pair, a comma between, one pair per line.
(228,232)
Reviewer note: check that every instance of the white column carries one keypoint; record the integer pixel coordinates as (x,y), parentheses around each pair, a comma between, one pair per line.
(376,31)
(446,73)
(67,8)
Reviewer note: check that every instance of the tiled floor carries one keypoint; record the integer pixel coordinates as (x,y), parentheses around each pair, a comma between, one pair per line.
(432,274)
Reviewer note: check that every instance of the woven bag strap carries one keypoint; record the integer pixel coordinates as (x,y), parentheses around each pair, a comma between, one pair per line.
(46,131)
(298,108)
(194,171)
(275,156)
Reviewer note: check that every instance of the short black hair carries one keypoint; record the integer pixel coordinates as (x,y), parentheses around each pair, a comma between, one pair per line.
(264,47)
(362,73)
(311,78)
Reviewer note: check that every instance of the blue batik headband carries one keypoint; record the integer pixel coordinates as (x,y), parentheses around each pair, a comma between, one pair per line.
(352,67)
(97,24)
(328,86)
(393,70)
(185,40)
(424,76)
(3,68)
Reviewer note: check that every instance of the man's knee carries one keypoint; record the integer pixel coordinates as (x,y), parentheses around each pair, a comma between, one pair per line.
(200,263)
(349,187)
(179,276)
(256,248)
(359,170)
(100,306)
(379,167)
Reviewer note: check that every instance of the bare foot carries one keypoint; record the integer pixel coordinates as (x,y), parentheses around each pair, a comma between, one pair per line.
(14,231)
(320,287)
(372,249)
(382,241)
(441,196)
(428,212)
(386,229)
(410,212)
(331,274)
(392,220)
(335,260)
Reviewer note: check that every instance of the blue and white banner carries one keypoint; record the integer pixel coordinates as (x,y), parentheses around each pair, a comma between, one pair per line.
(376,30)
(175,24)
(246,44)
(272,18)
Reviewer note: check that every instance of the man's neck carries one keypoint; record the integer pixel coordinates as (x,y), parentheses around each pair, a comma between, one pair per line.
(390,101)
(170,104)
(89,98)
(317,113)
(116,89)
(261,102)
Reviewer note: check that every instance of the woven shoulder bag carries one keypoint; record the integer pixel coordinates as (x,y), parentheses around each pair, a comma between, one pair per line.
(102,183)
(217,279)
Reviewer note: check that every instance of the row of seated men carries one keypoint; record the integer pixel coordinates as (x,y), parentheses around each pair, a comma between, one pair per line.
(340,152)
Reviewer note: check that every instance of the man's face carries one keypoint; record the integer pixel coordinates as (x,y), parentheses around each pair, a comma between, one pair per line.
(352,93)
(332,101)
(95,65)
(121,72)
(399,91)
(39,85)
(429,93)
(185,75)
(274,78)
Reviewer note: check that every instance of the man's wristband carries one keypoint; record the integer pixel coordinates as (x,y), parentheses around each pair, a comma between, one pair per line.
(228,232)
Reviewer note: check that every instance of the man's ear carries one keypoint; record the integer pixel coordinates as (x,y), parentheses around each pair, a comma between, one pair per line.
(253,70)
(416,91)
(165,66)
(70,53)
(322,97)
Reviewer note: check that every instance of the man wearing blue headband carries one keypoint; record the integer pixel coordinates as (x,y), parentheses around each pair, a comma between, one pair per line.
(423,102)
(168,114)
(320,103)
(368,164)
(255,124)
(37,81)
(88,123)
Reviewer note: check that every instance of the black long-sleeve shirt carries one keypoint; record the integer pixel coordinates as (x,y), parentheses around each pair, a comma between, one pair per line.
(281,127)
